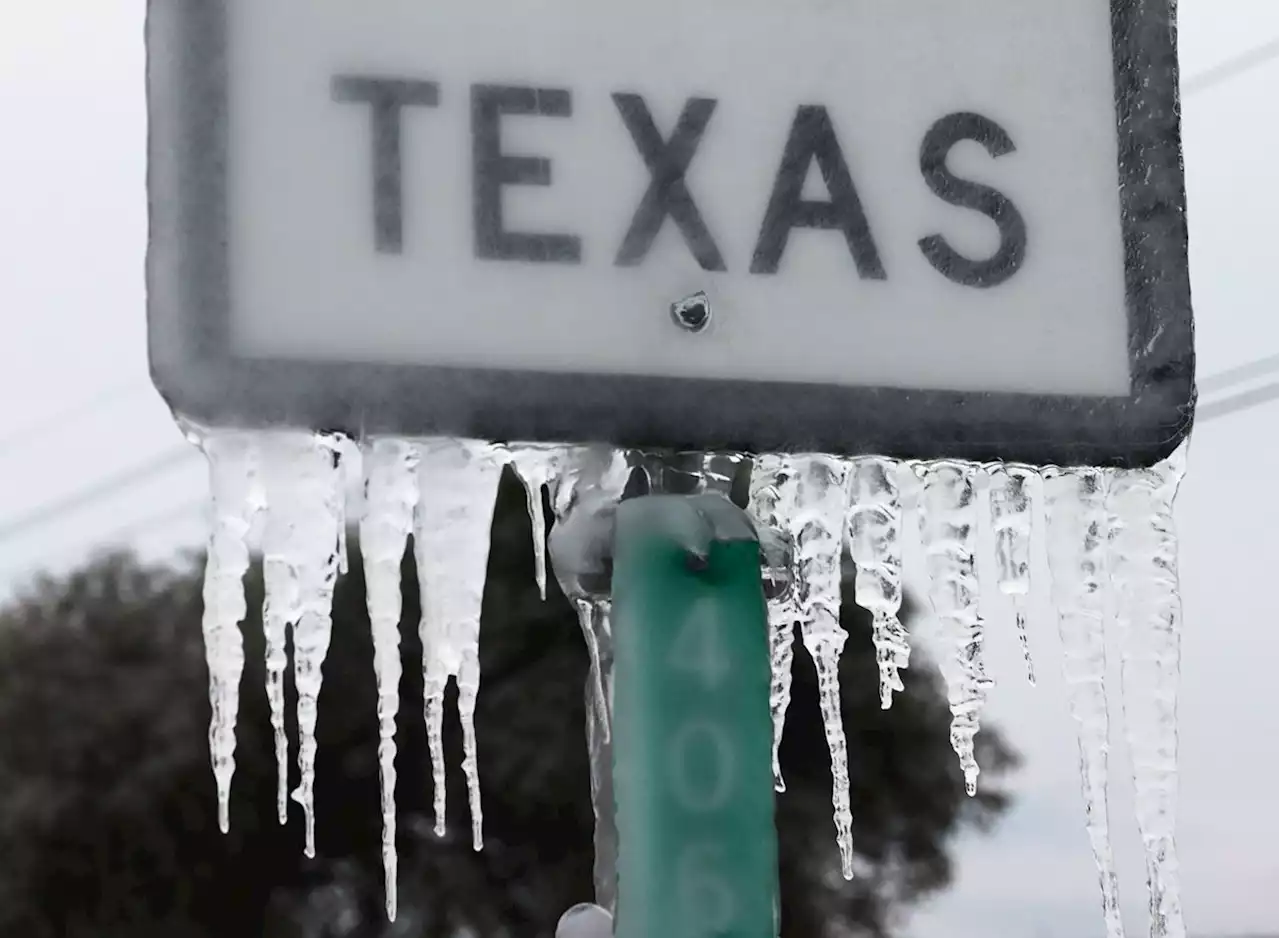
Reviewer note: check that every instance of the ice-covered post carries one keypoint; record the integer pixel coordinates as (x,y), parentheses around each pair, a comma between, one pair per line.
(692,731)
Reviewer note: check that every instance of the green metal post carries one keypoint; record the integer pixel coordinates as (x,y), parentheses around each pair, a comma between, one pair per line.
(692,735)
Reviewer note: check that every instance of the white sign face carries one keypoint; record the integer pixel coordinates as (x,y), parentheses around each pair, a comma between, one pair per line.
(922,196)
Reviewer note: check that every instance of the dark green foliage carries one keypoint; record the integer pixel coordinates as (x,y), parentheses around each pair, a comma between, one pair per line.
(107,809)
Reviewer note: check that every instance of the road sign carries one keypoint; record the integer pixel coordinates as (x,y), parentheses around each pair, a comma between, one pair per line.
(921,229)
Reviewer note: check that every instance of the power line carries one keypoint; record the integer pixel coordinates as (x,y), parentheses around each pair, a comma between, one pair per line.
(1242,400)
(25,435)
(122,534)
(1268,364)
(1236,65)
(99,490)
(1220,406)
(153,520)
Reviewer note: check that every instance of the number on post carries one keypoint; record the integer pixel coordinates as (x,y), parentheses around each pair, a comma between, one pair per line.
(698,648)
(703,895)
(694,792)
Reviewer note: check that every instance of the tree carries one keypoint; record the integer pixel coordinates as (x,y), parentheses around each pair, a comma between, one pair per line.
(107,815)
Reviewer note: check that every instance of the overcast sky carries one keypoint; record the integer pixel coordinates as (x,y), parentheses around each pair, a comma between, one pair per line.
(89,455)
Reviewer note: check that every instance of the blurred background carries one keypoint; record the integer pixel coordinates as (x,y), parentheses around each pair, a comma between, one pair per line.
(107,822)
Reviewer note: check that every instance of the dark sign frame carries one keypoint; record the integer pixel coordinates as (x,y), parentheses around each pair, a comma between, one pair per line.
(193,367)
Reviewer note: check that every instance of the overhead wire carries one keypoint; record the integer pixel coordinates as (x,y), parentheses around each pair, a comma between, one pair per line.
(152,520)
(35,430)
(1267,364)
(1214,404)
(103,488)
(1243,400)
(1230,68)
(1202,81)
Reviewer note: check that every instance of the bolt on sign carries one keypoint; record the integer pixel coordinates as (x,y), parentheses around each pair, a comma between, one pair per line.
(924,228)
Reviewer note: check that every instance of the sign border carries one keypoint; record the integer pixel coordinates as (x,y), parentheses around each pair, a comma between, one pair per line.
(188,311)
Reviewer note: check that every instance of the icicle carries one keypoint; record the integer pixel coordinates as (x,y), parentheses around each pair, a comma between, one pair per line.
(875,530)
(810,506)
(304,499)
(340,506)
(458,480)
(1011,513)
(947,526)
(689,473)
(716,472)
(766,504)
(433,716)
(588,472)
(591,480)
(818,528)
(1077,540)
(1143,558)
(236,498)
(783,617)
(390,496)
(594,619)
(536,465)
(279,611)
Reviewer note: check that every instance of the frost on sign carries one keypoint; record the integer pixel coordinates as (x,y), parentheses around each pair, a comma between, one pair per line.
(945,248)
